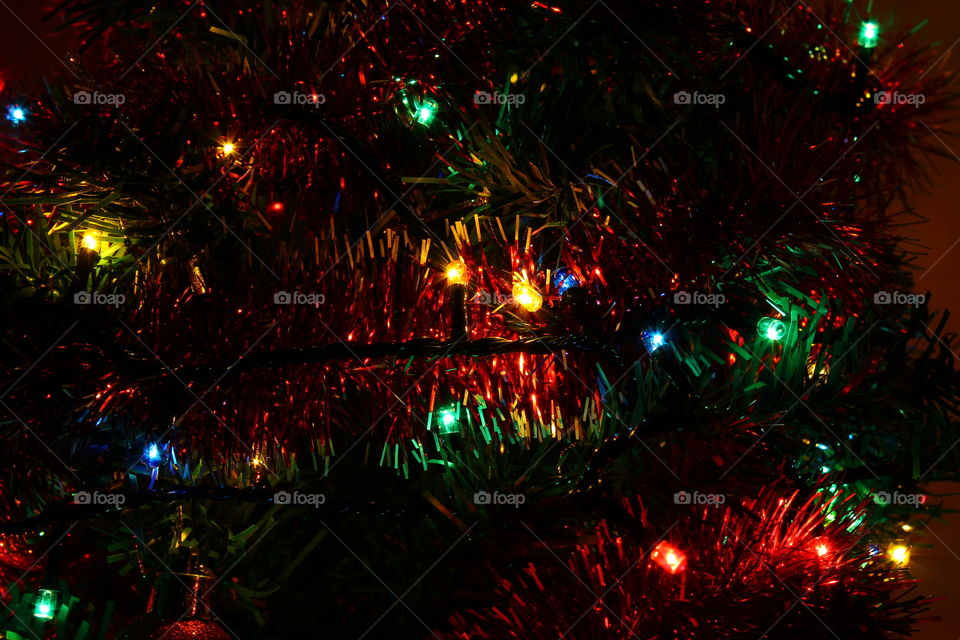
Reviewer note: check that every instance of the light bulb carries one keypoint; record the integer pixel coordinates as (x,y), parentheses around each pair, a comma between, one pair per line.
(772,328)
(900,554)
(669,557)
(16,114)
(152,455)
(869,34)
(427,111)
(448,421)
(90,241)
(45,604)
(227,148)
(564,279)
(527,296)
(653,340)
(457,272)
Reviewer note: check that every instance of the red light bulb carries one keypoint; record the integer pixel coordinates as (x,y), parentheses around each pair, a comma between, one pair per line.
(669,557)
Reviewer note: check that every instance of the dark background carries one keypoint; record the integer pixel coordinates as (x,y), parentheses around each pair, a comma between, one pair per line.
(30,50)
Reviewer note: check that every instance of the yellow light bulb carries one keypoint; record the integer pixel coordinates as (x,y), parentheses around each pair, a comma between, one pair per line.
(900,554)
(822,550)
(90,241)
(527,296)
(227,148)
(457,272)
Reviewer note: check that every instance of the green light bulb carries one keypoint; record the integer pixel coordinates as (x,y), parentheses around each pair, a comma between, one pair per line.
(869,34)
(448,421)
(772,328)
(45,604)
(427,111)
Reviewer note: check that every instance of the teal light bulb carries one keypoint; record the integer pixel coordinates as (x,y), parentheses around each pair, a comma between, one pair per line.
(772,328)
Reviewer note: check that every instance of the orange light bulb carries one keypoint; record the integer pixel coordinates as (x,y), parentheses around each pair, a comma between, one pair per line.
(527,296)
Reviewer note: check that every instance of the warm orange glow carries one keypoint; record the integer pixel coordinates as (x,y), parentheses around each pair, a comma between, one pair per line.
(527,296)
(900,554)
(457,272)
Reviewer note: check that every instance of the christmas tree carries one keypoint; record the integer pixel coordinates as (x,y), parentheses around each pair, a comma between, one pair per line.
(470,320)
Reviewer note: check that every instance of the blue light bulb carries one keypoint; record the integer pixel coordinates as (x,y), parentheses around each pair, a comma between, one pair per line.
(16,114)
(653,340)
(152,455)
(564,279)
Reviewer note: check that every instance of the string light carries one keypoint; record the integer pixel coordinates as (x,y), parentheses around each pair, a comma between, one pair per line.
(227,148)
(899,554)
(527,296)
(16,114)
(90,241)
(564,279)
(457,272)
(869,34)
(669,557)
(45,604)
(427,111)
(772,328)
(653,340)
(447,419)
(152,455)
